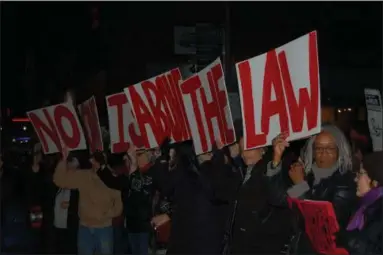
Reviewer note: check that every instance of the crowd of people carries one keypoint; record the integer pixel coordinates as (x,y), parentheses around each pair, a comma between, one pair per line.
(229,201)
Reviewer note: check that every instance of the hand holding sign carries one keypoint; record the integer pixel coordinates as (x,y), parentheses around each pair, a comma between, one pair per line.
(279,146)
(204,157)
(296,172)
(234,150)
(132,153)
(219,144)
(65,152)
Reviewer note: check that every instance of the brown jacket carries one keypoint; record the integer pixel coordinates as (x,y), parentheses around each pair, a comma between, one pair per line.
(98,204)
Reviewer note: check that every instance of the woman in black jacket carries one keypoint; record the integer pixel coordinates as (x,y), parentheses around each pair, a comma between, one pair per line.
(365,229)
(324,172)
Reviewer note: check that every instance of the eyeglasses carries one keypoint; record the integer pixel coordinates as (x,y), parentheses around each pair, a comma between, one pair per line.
(327,150)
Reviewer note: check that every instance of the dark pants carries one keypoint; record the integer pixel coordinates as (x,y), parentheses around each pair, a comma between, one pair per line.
(121,241)
(95,240)
(139,243)
(65,241)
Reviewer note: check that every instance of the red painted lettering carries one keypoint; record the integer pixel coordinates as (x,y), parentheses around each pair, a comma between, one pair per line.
(89,115)
(175,79)
(191,86)
(307,102)
(143,115)
(49,130)
(118,101)
(173,109)
(272,80)
(220,98)
(252,138)
(61,112)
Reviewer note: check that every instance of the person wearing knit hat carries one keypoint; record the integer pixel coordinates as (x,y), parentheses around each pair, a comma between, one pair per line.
(365,227)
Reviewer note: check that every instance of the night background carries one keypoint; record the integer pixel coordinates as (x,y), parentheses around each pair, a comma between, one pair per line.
(100,48)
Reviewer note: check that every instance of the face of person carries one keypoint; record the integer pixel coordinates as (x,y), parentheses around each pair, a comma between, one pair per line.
(325,150)
(363,182)
(250,157)
(143,158)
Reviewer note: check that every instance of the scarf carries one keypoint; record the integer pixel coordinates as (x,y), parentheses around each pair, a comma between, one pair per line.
(357,221)
(249,170)
(322,173)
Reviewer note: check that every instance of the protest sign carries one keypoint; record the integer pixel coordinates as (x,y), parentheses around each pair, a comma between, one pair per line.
(123,129)
(207,108)
(279,92)
(57,126)
(89,115)
(375,118)
(157,108)
(321,224)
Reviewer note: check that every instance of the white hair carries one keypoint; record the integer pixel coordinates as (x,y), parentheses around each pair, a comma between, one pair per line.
(344,150)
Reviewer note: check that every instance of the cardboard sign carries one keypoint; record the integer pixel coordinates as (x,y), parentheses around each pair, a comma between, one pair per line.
(157,107)
(279,92)
(321,225)
(123,129)
(58,125)
(207,108)
(375,119)
(89,116)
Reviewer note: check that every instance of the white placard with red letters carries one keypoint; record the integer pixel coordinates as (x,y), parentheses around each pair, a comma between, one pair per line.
(280,92)
(58,126)
(207,108)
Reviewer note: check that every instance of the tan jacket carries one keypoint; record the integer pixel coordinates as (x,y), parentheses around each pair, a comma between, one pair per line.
(98,204)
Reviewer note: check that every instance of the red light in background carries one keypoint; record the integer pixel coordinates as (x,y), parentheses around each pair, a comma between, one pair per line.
(20,120)
(8,112)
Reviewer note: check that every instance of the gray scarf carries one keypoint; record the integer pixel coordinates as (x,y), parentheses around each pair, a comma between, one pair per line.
(322,173)
(249,170)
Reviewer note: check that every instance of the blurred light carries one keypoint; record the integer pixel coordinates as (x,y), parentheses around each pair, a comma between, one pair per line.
(20,120)
(24,128)
(339,110)
(13,140)
(349,109)
(8,112)
(1,128)
(23,138)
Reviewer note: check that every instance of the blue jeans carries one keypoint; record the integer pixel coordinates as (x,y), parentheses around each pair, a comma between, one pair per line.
(95,240)
(139,243)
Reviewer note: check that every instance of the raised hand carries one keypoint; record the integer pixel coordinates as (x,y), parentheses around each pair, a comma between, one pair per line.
(297,172)
(234,150)
(219,144)
(279,146)
(204,157)
(132,153)
(64,152)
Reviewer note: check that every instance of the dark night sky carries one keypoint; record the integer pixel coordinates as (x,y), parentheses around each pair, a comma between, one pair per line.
(51,30)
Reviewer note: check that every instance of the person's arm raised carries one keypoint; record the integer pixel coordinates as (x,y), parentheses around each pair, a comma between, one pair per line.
(64,178)
(279,146)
